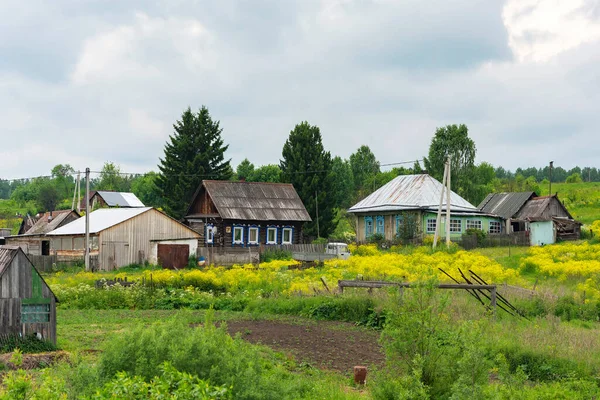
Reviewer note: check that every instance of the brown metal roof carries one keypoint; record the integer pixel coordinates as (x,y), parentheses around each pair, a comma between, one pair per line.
(256,201)
(505,205)
(43,226)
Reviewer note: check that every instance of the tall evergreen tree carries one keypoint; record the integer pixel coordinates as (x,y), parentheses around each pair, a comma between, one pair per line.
(365,168)
(307,166)
(195,151)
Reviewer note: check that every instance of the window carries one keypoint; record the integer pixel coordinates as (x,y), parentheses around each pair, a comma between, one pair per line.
(455,225)
(238,235)
(431,224)
(253,235)
(495,227)
(474,224)
(210,234)
(31,313)
(380,224)
(368,226)
(399,222)
(271,235)
(287,236)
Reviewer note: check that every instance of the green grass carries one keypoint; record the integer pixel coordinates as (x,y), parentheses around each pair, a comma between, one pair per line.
(581,199)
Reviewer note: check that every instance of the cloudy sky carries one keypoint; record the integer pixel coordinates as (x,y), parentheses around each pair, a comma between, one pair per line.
(87,81)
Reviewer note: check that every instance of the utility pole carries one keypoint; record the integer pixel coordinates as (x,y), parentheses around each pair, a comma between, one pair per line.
(87,219)
(438,221)
(550,188)
(317,207)
(74,196)
(448,202)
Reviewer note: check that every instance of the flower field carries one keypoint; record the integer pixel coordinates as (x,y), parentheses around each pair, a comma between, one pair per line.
(564,261)
(284,277)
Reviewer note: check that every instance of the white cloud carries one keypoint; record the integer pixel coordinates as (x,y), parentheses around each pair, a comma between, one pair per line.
(541,29)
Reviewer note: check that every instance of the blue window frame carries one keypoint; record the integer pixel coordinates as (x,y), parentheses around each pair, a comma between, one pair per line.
(209,233)
(399,222)
(287,235)
(271,235)
(380,224)
(237,235)
(253,235)
(368,226)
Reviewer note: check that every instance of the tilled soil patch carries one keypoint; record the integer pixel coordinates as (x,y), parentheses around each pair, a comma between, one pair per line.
(326,345)
(33,361)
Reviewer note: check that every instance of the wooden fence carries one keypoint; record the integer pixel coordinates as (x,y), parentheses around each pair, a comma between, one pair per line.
(469,242)
(47,263)
(299,248)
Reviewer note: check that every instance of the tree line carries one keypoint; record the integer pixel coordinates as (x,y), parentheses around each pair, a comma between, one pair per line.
(327,184)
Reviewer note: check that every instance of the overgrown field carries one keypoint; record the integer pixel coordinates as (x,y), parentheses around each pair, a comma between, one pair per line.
(164,335)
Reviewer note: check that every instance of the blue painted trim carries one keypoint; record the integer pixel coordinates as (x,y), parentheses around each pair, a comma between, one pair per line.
(257,243)
(369,219)
(276,234)
(290,228)
(380,218)
(399,222)
(206,226)
(233,243)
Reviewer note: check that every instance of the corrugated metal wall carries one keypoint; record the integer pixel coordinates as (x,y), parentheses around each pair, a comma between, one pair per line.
(129,242)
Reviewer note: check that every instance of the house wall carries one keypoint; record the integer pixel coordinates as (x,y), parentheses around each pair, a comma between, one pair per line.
(21,284)
(131,241)
(29,244)
(224,234)
(542,232)
(421,220)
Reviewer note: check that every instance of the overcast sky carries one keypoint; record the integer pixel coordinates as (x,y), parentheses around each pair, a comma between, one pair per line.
(88,81)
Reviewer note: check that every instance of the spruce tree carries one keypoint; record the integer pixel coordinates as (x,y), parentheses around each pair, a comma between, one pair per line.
(194,152)
(307,166)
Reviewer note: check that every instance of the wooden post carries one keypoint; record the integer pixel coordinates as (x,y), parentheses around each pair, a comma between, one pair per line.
(493,301)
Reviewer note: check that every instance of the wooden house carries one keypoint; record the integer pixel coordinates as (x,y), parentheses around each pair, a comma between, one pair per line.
(34,241)
(246,214)
(27,304)
(545,219)
(415,199)
(124,236)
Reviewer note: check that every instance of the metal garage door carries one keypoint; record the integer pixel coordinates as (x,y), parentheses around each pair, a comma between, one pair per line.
(173,256)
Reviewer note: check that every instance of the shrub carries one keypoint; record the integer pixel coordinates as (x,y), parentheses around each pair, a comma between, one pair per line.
(275,254)
(27,344)
(207,352)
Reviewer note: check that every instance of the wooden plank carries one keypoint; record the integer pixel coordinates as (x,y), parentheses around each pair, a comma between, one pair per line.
(381,284)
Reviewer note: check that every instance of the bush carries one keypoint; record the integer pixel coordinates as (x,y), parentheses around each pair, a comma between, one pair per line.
(207,352)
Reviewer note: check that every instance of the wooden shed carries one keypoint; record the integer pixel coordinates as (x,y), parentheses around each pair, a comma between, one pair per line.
(124,236)
(27,304)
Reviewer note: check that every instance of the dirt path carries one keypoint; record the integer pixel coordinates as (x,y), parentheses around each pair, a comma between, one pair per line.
(328,345)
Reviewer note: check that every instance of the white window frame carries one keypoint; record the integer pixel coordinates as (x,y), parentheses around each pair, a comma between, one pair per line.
(430,225)
(474,224)
(454,227)
(250,230)
(291,232)
(271,229)
(241,230)
(210,234)
(497,227)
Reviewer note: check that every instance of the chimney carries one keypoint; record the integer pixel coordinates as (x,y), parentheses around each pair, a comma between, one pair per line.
(50,217)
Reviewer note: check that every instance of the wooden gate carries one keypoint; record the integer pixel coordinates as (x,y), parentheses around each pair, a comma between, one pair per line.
(173,256)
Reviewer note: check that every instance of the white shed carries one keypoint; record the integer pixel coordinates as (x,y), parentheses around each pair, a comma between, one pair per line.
(124,236)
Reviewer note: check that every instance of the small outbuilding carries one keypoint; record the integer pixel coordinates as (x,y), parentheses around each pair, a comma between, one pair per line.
(107,198)
(124,236)
(34,241)
(27,304)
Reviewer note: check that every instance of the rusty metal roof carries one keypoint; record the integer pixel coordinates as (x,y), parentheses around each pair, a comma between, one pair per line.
(257,201)
(42,225)
(535,208)
(505,205)
(7,253)
(411,192)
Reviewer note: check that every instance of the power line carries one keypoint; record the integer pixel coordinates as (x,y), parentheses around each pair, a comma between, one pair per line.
(136,174)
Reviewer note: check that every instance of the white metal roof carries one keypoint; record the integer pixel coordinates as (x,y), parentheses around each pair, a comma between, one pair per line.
(120,199)
(100,220)
(411,192)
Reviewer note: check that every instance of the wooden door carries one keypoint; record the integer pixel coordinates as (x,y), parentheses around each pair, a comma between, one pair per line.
(173,256)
